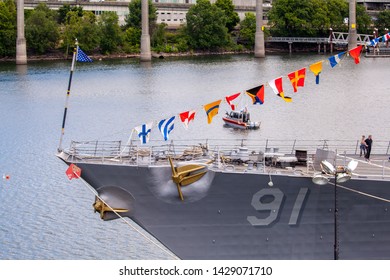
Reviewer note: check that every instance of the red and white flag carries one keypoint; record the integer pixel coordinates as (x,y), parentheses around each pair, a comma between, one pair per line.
(186,117)
(277,87)
(230,98)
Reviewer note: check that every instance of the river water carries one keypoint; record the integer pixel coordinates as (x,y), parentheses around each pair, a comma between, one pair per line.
(46,216)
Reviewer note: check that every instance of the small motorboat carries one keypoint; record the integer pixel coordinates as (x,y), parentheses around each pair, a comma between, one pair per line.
(240,119)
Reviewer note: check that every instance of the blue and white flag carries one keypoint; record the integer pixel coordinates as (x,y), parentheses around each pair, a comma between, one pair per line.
(374,42)
(143,132)
(334,60)
(166,126)
(81,56)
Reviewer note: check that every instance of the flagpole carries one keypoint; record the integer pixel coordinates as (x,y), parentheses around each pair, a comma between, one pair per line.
(67,95)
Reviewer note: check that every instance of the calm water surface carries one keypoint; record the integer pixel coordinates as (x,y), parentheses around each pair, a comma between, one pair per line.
(46,216)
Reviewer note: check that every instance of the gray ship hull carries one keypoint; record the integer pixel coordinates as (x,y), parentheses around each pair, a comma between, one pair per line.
(231,215)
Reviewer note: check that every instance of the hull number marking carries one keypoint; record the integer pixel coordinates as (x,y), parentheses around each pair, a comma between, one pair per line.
(270,201)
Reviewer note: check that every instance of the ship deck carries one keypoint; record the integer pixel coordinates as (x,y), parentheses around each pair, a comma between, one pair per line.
(295,158)
(378,167)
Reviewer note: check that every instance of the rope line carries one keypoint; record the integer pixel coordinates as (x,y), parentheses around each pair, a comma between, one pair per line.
(362,193)
(352,190)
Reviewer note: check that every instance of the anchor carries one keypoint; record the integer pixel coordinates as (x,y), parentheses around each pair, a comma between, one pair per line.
(102,208)
(181,175)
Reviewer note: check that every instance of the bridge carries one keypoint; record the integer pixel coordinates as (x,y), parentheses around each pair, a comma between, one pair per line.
(336,38)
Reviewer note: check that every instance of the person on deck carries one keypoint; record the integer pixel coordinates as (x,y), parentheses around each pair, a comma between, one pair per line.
(369,146)
(363,146)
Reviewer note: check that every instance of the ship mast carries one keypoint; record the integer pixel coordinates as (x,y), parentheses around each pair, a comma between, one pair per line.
(67,96)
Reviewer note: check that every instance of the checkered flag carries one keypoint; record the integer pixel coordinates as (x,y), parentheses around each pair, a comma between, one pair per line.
(81,56)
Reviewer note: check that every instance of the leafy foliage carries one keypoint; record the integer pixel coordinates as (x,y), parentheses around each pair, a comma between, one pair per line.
(83,28)
(311,18)
(65,9)
(337,11)
(41,29)
(111,36)
(232,17)
(383,21)
(7,28)
(206,26)
(363,20)
(302,18)
(159,35)
(133,19)
(248,30)
(134,24)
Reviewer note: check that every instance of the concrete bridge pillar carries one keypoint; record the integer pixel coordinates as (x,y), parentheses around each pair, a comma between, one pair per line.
(146,54)
(352,36)
(290,47)
(259,35)
(21,53)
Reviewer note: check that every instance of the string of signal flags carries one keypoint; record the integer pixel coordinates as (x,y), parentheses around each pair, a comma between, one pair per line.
(296,78)
(256,94)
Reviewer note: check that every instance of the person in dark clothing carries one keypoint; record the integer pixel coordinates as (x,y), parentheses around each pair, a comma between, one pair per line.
(369,146)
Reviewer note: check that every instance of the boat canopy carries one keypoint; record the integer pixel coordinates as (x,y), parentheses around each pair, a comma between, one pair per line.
(244,116)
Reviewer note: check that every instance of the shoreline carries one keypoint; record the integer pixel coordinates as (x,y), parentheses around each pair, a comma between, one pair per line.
(58,56)
(98,57)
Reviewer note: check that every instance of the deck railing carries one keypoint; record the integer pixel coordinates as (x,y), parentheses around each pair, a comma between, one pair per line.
(114,152)
(115,149)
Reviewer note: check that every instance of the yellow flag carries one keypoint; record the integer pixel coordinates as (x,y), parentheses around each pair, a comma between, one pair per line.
(316,68)
(212,110)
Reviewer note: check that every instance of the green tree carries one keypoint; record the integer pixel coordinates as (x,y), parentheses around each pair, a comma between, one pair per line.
(383,21)
(41,29)
(132,36)
(248,30)
(132,40)
(89,35)
(363,20)
(298,18)
(7,28)
(133,24)
(133,19)
(159,37)
(111,32)
(63,11)
(71,29)
(206,26)
(165,41)
(84,29)
(181,39)
(337,10)
(313,17)
(232,17)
